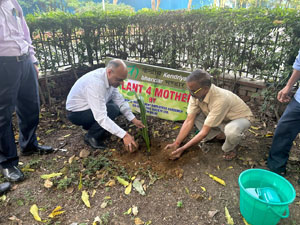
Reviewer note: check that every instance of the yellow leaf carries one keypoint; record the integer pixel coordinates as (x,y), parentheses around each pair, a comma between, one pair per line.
(85,198)
(217,179)
(110,183)
(203,188)
(94,192)
(56,212)
(255,128)
(128,212)
(49,131)
(269,134)
(148,222)
(176,127)
(27,169)
(67,135)
(38,138)
(107,197)
(80,182)
(229,167)
(128,189)
(138,221)
(16,136)
(3,198)
(48,183)
(187,190)
(209,198)
(71,159)
(97,220)
(122,181)
(34,210)
(48,176)
(245,222)
(228,217)
(256,134)
(218,167)
(132,178)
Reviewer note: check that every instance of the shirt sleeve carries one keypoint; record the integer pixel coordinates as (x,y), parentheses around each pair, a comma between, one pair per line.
(96,101)
(193,108)
(296,64)
(217,113)
(28,39)
(124,106)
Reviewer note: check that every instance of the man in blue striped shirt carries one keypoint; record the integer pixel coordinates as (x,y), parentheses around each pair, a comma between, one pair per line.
(288,126)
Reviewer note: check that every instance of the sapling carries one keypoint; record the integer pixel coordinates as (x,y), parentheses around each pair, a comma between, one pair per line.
(144,130)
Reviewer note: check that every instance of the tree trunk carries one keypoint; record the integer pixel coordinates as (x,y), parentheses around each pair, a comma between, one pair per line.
(157,5)
(115,2)
(189,5)
(153,4)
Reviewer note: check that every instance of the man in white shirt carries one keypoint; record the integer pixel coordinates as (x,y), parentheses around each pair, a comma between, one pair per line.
(94,102)
(18,90)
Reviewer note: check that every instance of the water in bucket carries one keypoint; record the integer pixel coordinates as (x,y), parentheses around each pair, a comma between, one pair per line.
(266,194)
(264,197)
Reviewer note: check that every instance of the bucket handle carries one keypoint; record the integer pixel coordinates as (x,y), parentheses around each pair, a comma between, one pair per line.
(287,212)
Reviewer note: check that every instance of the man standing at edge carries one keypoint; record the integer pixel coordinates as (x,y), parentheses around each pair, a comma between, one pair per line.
(288,126)
(215,112)
(94,102)
(18,90)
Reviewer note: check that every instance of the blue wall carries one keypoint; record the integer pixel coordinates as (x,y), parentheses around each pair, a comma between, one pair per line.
(165,4)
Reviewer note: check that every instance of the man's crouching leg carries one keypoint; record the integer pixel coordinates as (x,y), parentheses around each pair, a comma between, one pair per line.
(234,131)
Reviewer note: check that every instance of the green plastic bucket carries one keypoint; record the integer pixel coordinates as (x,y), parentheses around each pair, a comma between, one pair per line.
(260,212)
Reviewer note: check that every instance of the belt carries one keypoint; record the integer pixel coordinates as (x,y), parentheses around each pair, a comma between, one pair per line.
(14,58)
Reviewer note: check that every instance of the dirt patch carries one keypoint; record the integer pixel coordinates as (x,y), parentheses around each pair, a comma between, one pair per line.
(157,159)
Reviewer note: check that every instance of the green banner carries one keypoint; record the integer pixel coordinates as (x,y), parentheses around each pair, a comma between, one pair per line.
(164,90)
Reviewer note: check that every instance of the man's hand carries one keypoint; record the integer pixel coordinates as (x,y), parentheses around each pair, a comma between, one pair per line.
(283,95)
(129,143)
(138,123)
(177,153)
(174,146)
(37,70)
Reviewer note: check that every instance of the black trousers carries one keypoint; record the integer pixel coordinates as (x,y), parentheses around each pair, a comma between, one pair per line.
(18,92)
(87,121)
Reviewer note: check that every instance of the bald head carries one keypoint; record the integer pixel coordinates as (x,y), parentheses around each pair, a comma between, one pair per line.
(116,71)
(201,77)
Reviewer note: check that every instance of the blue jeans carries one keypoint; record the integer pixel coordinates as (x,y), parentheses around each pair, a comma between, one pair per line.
(287,129)
(87,121)
(18,92)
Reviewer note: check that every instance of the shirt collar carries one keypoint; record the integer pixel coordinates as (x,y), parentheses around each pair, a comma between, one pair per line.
(209,93)
(106,80)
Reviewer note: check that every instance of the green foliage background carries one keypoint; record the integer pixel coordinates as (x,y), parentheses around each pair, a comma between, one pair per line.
(254,43)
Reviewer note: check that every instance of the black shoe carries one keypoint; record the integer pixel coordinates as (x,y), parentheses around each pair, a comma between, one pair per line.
(4,187)
(93,142)
(13,174)
(40,149)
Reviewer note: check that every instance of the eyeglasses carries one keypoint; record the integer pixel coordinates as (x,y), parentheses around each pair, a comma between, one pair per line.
(193,93)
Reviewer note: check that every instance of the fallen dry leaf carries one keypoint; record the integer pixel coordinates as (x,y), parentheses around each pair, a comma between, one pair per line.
(212,213)
(71,159)
(48,176)
(48,183)
(128,189)
(34,210)
(103,205)
(84,153)
(217,179)
(14,218)
(138,221)
(179,172)
(135,210)
(110,183)
(85,198)
(228,217)
(197,196)
(70,190)
(57,211)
